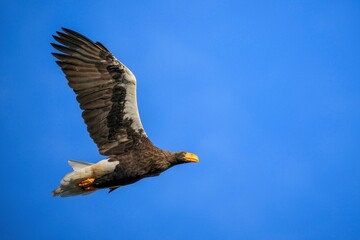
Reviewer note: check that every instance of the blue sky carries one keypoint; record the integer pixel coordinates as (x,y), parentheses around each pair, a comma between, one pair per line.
(265,92)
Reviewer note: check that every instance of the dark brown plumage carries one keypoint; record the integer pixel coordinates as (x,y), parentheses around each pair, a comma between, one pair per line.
(106,91)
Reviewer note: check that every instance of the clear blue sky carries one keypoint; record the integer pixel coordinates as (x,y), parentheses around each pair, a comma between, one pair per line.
(265,92)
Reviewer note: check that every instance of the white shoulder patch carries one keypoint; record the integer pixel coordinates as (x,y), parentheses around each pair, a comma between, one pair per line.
(77,165)
(131,108)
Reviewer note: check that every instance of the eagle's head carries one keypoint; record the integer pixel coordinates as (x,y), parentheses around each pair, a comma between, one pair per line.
(185,157)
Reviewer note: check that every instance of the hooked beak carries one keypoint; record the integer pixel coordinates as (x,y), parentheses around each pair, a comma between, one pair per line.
(190,157)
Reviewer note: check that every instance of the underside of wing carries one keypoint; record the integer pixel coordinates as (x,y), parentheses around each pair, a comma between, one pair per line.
(105,89)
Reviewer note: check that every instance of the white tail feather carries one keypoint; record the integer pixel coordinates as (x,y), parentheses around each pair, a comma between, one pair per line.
(82,170)
(76,165)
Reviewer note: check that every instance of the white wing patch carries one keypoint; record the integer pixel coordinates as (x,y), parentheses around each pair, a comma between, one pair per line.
(131,107)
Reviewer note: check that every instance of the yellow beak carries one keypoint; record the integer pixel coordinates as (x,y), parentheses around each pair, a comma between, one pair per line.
(191,157)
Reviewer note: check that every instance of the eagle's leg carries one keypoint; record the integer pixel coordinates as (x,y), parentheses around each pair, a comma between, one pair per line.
(86,184)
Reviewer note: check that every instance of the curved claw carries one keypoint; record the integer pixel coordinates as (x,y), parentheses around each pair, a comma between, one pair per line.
(86,184)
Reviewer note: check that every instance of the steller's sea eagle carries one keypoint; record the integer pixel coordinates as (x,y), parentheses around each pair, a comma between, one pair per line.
(106,91)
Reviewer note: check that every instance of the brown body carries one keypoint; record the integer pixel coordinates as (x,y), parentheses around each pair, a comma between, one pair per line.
(136,165)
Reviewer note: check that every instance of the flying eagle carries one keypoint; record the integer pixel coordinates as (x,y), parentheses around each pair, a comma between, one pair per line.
(106,91)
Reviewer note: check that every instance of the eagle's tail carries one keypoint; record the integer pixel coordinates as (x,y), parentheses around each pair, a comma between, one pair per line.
(70,183)
(79,182)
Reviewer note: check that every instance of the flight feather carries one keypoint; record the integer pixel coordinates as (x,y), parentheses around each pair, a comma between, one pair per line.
(105,89)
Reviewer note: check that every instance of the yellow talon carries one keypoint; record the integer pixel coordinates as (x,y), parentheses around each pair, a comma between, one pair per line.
(86,184)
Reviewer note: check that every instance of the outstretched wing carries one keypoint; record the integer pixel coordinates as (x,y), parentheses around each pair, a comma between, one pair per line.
(105,89)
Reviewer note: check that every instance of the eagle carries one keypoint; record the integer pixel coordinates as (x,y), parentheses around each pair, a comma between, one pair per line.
(106,91)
